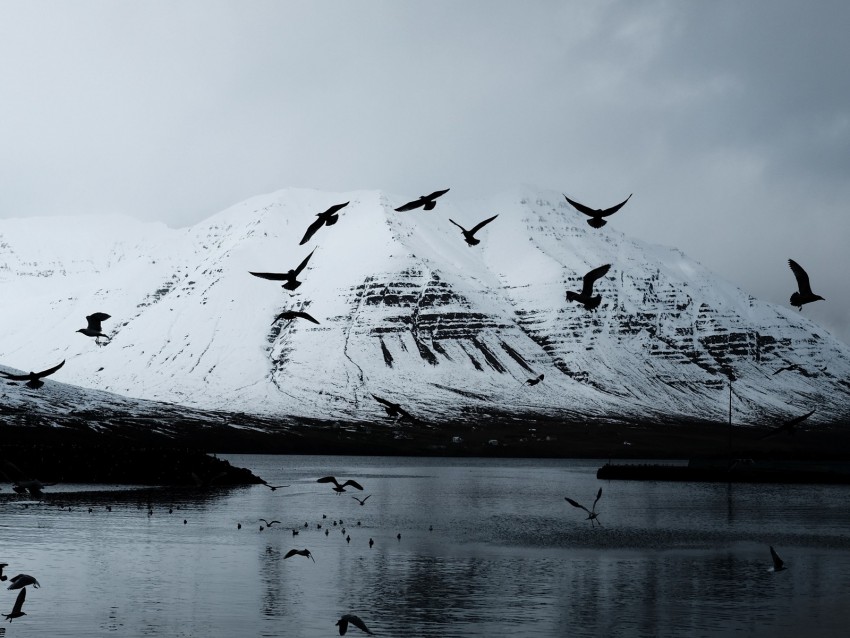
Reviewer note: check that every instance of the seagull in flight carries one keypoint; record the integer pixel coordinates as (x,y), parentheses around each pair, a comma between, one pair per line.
(592,514)
(469,235)
(22,580)
(290,315)
(93,328)
(788,426)
(596,215)
(33,379)
(328,218)
(268,524)
(425,201)
(585,297)
(342,623)
(535,380)
(778,563)
(274,487)
(299,552)
(804,292)
(16,609)
(340,488)
(290,277)
(394,409)
(362,501)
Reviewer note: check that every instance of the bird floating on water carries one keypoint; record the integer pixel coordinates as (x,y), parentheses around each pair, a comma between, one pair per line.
(804,292)
(16,609)
(778,563)
(427,202)
(363,500)
(585,297)
(592,514)
(534,381)
(294,314)
(93,328)
(328,218)
(290,277)
(299,552)
(469,235)
(342,623)
(33,379)
(339,488)
(597,214)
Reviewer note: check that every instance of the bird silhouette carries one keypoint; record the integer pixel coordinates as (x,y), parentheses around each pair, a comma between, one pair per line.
(804,292)
(268,524)
(93,328)
(342,623)
(299,552)
(3,576)
(794,367)
(328,218)
(778,563)
(363,500)
(294,314)
(33,379)
(585,297)
(290,277)
(592,514)
(596,215)
(22,580)
(274,487)
(393,409)
(16,609)
(534,381)
(469,235)
(788,426)
(339,488)
(426,201)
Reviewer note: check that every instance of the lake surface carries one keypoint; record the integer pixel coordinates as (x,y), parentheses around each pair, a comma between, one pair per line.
(507,555)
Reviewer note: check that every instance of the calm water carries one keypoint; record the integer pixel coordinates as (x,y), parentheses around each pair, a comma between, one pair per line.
(507,555)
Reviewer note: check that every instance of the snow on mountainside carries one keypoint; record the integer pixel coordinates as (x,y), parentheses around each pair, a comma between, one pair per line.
(408,312)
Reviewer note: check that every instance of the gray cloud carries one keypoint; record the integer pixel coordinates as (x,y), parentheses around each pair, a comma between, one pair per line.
(730,121)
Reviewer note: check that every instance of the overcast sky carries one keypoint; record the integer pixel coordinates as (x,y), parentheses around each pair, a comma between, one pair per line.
(728,120)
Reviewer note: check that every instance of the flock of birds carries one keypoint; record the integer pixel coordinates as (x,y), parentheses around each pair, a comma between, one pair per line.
(21,581)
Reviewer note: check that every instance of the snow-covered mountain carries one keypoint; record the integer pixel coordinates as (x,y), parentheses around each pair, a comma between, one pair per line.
(407,312)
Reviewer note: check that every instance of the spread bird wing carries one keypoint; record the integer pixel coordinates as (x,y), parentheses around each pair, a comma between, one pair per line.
(591,277)
(306,316)
(292,552)
(456,224)
(598,496)
(777,562)
(416,203)
(799,419)
(436,194)
(587,210)
(481,225)
(333,209)
(354,620)
(304,263)
(328,479)
(31,375)
(95,319)
(802,278)
(274,276)
(19,601)
(389,404)
(353,484)
(49,371)
(614,209)
(311,230)
(575,504)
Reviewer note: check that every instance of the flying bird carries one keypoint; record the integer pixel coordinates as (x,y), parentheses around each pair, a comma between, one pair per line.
(426,201)
(268,524)
(299,552)
(362,501)
(804,292)
(328,218)
(3,576)
(274,487)
(788,426)
(33,379)
(534,381)
(778,563)
(585,297)
(339,489)
(290,277)
(294,314)
(22,580)
(342,623)
(93,328)
(393,409)
(19,602)
(592,514)
(469,235)
(596,215)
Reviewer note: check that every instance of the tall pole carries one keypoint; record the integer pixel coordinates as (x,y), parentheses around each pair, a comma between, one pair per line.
(730,420)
